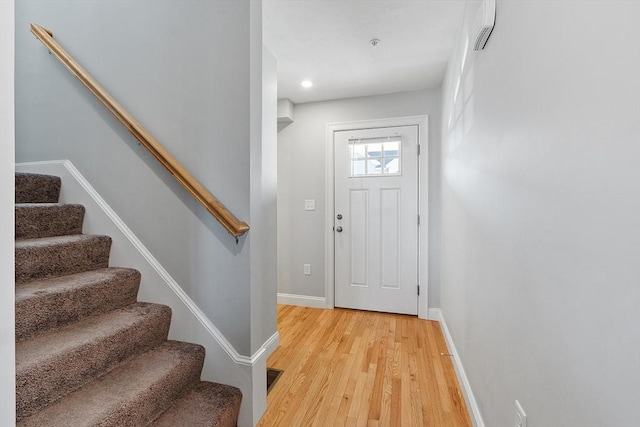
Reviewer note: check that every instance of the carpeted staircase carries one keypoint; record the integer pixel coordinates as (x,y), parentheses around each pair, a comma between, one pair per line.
(87,353)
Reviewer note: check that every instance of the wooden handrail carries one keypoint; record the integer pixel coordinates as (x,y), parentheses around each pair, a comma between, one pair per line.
(235,227)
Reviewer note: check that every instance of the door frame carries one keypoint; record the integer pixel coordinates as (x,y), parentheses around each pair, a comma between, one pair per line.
(422,122)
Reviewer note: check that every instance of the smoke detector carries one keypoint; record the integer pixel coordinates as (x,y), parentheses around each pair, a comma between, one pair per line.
(374,43)
(483,24)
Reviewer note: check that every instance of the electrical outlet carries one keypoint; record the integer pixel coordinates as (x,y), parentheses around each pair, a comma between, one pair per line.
(521,417)
(307,269)
(310,205)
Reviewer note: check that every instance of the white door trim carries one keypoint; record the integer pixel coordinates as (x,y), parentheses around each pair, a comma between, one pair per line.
(422,121)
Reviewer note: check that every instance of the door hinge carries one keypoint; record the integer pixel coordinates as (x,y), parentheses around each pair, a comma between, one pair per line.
(418,149)
(418,289)
(418,219)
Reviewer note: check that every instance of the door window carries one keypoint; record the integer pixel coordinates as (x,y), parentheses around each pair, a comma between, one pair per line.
(375,157)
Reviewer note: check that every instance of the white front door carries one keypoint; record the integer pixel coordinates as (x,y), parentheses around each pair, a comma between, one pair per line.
(376,219)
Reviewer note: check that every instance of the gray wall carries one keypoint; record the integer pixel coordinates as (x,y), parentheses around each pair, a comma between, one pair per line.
(7,290)
(301,175)
(540,214)
(182,68)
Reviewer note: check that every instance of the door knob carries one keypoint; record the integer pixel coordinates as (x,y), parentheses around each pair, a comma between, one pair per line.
(339,229)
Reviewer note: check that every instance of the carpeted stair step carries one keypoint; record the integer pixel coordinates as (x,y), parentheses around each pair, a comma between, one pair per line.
(34,220)
(60,255)
(207,404)
(51,365)
(133,394)
(36,188)
(51,303)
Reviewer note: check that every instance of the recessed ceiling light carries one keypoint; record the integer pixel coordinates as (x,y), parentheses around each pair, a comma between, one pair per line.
(306,83)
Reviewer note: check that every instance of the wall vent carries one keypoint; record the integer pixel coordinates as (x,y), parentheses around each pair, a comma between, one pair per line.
(483,23)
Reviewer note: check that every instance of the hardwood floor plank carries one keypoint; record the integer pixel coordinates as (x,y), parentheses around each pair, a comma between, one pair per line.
(356,368)
(378,358)
(387,386)
(338,395)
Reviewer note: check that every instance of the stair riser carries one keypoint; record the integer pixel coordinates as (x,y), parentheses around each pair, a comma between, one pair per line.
(150,405)
(42,311)
(34,220)
(35,188)
(206,404)
(157,382)
(40,262)
(37,386)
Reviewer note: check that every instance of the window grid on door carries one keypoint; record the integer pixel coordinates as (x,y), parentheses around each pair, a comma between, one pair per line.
(375,157)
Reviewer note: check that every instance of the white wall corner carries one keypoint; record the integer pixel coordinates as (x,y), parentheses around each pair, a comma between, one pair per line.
(285,111)
(259,376)
(272,344)
(435,314)
(302,300)
(7,229)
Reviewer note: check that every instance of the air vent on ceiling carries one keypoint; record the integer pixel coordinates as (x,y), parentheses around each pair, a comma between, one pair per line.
(483,23)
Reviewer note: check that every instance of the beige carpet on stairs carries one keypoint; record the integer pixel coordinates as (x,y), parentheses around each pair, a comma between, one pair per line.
(87,352)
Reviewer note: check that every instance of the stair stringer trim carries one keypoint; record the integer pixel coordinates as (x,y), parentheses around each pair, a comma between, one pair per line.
(190,325)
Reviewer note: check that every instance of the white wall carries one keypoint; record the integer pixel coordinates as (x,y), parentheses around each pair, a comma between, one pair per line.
(263,179)
(183,70)
(264,212)
(7,289)
(541,213)
(264,186)
(301,175)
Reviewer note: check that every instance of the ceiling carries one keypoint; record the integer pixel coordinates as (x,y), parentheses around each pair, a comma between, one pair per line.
(327,42)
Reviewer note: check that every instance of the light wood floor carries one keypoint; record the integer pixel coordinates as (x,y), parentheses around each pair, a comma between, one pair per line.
(358,368)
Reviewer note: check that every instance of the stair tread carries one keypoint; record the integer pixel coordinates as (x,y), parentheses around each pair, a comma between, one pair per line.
(47,205)
(38,349)
(60,255)
(207,404)
(54,285)
(132,394)
(34,220)
(45,304)
(57,240)
(43,204)
(36,188)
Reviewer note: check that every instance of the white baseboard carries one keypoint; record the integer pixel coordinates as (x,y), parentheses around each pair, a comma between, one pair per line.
(271,344)
(474,411)
(435,314)
(302,300)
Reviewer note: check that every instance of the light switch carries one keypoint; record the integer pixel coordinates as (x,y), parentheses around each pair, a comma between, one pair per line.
(310,205)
